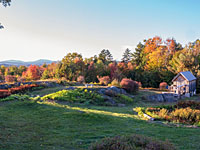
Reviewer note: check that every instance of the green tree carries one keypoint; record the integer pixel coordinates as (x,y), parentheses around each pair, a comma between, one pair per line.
(186,59)
(3,69)
(21,69)
(13,70)
(127,56)
(45,74)
(72,66)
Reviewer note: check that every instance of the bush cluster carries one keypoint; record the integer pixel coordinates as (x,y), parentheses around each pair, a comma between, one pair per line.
(115,82)
(4,93)
(185,104)
(22,88)
(81,79)
(185,115)
(131,142)
(104,80)
(125,99)
(163,85)
(14,90)
(187,112)
(10,78)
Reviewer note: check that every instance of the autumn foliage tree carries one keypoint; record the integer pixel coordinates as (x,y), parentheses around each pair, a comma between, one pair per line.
(10,78)
(72,66)
(33,73)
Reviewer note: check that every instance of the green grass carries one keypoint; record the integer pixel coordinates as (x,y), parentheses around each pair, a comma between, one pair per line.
(42,125)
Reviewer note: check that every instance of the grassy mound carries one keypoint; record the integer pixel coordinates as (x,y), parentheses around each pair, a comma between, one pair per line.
(75,96)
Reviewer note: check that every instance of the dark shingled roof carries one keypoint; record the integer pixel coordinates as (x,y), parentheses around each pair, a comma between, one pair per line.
(187,75)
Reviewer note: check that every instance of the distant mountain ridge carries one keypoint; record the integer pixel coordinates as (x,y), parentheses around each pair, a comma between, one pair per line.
(25,63)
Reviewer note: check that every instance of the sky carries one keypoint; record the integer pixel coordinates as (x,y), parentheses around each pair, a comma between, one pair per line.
(47,29)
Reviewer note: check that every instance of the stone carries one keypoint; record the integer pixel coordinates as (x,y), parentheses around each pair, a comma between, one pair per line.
(110,93)
(102,91)
(70,88)
(109,100)
(121,105)
(165,97)
(122,91)
(114,88)
(157,98)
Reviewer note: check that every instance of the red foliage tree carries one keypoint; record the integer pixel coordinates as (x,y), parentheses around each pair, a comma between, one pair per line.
(112,68)
(171,45)
(152,43)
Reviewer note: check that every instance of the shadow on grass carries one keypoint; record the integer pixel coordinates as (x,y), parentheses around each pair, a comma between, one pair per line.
(94,111)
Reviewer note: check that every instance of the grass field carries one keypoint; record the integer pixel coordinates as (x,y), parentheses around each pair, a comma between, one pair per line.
(40,125)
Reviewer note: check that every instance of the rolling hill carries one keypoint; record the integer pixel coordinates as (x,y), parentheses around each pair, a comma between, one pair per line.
(28,63)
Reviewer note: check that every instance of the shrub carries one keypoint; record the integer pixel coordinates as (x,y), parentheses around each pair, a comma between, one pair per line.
(115,82)
(139,84)
(163,85)
(21,79)
(4,93)
(104,80)
(131,142)
(19,89)
(186,115)
(16,97)
(10,78)
(185,104)
(124,98)
(129,85)
(163,113)
(179,113)
(81,79)
(22,88)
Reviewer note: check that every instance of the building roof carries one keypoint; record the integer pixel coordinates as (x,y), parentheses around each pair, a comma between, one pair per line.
(187,75)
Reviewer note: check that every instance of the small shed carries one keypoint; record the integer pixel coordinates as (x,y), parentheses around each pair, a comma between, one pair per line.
(184,84)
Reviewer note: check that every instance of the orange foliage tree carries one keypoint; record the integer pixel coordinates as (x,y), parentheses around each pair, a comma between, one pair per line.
(33,73)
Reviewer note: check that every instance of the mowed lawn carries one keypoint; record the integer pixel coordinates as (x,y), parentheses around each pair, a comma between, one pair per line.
(31,125)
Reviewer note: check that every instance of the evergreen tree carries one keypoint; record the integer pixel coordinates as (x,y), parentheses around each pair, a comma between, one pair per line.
(127,56)
(105,56)
(138,55)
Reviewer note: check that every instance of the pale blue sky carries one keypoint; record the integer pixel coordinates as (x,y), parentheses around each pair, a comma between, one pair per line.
(37,29)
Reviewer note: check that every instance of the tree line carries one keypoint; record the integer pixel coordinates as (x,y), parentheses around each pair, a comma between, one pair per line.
(153,61)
